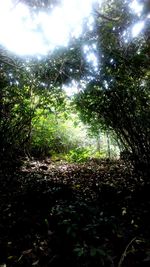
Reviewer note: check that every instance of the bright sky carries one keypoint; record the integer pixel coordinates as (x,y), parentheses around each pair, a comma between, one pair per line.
(24,34)
(137,28)
(137,9)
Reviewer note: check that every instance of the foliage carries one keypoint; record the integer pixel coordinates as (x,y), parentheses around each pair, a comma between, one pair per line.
(89,214)
(79,154)
(87,153)
(40,121)
(51,134)
(114,97)
(118,97)
(15,125)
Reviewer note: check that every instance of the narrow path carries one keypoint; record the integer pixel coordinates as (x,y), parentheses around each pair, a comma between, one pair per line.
(79,214)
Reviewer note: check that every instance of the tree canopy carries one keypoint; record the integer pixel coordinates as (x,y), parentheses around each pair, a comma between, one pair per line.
(109,66)
(74,133)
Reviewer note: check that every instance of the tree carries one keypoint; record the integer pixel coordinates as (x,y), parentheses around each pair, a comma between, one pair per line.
(115,95)
(119,95)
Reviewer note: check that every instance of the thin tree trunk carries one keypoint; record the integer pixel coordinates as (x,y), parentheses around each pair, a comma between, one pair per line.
(108,144)
(99,142)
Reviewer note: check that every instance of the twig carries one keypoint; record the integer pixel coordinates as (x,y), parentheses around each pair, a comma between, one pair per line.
(106,17)
(125,252)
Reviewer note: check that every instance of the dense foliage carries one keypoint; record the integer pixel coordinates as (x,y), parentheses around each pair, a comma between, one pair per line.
(114,94)
(71,200)
(118,97)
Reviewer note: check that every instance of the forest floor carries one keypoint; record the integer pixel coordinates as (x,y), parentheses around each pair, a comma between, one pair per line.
(75,215)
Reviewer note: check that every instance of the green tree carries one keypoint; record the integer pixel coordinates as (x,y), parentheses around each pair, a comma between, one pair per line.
(115,95)
(119,95)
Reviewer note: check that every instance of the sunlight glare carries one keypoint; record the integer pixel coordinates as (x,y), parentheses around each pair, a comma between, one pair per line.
(25,34)
(71,89)
(137,28)
(90,54)
(136,7)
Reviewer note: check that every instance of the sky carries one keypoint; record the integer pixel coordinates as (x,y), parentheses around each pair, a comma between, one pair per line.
(24,34)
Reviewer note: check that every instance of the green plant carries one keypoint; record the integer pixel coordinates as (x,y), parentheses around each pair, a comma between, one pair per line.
(79,154)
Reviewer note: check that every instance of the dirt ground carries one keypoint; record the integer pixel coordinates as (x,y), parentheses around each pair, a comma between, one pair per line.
(92,214)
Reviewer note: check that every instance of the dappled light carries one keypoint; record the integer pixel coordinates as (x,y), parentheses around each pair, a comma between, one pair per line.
(74,133)
(71,89)
(91,57)
(137,7)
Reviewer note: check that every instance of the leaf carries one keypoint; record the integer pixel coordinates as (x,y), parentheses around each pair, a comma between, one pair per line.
(35,263)
(79,251)
(27,252)
(10,257)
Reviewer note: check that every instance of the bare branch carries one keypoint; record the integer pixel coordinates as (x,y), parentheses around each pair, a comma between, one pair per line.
(100,15)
